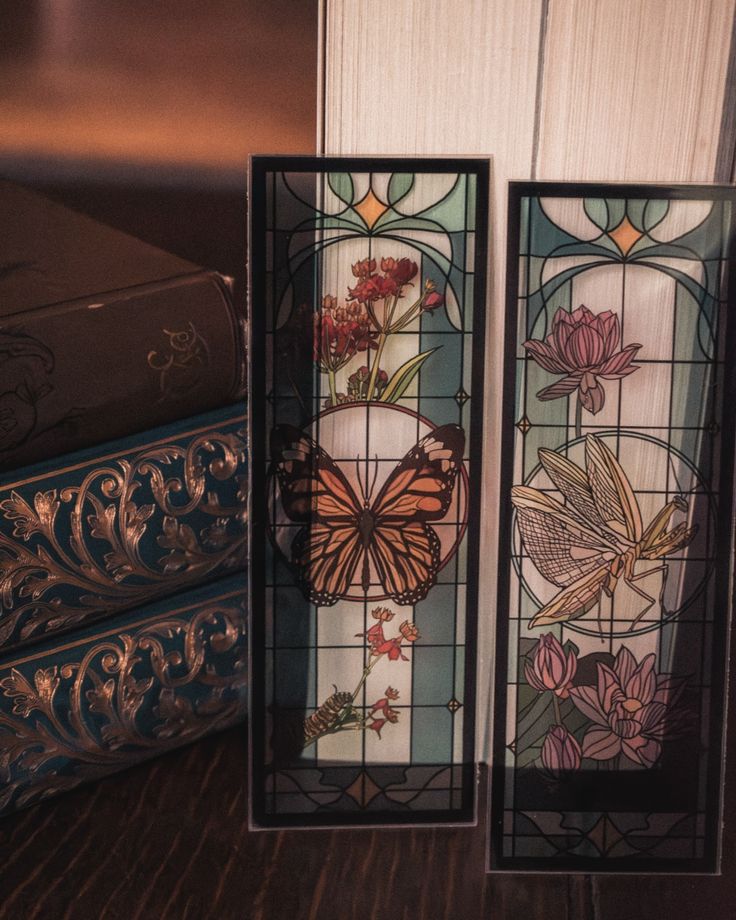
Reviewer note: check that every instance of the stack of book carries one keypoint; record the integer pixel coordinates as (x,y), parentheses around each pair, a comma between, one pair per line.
(122,500)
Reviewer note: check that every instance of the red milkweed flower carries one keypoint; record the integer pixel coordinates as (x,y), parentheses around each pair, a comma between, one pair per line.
(409,631)
(380,645)
(384,705)
(359,381)
(584,347)
(340,333)
(400,270)
(364,268)
(374,287)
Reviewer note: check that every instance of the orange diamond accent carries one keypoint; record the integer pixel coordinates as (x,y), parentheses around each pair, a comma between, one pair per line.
(625,235)
(371,209)
(363,789)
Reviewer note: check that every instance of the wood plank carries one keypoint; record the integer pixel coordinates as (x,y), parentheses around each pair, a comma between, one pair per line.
(555,89)
(428,79)
(169,840)
(633,91)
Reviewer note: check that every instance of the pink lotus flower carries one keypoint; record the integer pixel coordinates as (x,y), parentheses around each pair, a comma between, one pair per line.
(631,708)
(550,668)
(561,752)
(583,346)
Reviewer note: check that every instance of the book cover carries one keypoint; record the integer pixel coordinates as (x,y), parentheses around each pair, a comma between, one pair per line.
(102,335)
(103,530)
(80,707)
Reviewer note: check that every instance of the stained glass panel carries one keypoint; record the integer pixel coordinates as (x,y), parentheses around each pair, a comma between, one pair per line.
(367,294)
(616,529)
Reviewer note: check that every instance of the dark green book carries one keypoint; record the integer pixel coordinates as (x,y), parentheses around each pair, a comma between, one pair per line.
(102,335)
(76,708)
(107,529)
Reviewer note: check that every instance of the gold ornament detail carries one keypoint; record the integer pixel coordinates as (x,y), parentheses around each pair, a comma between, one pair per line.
(178,365)
(86,718)
(64,577)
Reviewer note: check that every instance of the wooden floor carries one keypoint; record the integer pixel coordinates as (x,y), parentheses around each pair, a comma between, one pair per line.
(169,839)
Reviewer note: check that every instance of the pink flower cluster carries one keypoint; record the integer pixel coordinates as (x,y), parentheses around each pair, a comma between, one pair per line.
(383,706)
(631,707)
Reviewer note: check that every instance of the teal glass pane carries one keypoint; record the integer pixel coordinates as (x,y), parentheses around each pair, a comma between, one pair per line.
(368,297)
(616,530)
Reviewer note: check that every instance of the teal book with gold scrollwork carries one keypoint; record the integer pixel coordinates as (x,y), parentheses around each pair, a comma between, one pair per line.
(92,533)
(79,707)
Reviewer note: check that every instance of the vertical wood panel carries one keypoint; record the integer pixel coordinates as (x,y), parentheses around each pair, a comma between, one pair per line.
(552,89)
(433,78)
(632,90)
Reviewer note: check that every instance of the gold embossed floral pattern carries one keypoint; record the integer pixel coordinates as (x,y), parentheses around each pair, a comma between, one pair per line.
(119,699)
(121,533)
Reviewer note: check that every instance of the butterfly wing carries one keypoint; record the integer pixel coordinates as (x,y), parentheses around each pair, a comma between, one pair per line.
(313,488)
(405,549)
(326,558)
(407,559)
(315,493)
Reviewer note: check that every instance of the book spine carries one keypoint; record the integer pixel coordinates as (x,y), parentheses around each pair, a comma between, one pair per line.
(99,532)
(133,688)
(80,373)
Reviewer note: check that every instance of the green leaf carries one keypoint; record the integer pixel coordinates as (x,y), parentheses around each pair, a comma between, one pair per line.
(397,385)
(399,186)
(534,722)
(655,212)
(341,184)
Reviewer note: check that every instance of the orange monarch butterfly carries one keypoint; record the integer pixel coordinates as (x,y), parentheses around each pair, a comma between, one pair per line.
(586,545)
(341,535)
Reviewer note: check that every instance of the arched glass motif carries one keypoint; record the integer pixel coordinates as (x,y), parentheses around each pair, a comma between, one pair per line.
(616,529)
(367,297)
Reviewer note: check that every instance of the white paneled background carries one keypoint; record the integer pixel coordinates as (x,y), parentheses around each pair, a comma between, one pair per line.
(609,90)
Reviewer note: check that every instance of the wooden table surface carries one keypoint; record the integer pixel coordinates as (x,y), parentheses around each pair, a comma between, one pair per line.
(169,839)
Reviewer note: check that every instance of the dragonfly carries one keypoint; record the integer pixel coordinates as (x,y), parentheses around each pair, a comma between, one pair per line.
(597,538)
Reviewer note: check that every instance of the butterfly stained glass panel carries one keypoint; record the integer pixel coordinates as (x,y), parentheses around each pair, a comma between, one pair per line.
(616,535)
(367,294)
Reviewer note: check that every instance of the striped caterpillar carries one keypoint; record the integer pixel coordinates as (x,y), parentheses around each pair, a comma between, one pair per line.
(327,715)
